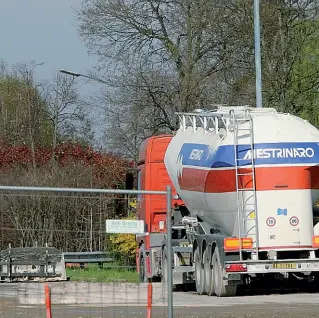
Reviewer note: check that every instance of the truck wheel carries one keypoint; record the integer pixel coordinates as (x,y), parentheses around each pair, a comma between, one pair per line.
(220,289)
(209,286)
(164,266)
(199,273)
(142,267)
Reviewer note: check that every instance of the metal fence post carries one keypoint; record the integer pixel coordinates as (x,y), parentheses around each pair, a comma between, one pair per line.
(169,251)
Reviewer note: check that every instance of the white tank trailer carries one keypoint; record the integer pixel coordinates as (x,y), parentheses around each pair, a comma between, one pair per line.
(252,174)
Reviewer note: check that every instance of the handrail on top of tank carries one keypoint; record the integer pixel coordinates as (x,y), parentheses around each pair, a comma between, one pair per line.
(189,120)
(206,117)
(231,117)
(221,112)
(224,111)
(203,114)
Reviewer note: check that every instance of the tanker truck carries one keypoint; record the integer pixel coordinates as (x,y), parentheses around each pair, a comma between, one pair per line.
(245,185)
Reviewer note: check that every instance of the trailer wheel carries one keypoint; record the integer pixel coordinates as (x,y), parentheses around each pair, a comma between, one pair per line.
(209,286)
(220,289)
(199,273)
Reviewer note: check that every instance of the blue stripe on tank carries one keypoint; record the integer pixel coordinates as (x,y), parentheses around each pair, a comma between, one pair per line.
(202,155)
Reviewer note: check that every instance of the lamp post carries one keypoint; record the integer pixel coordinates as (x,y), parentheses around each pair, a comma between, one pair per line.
(259,103)
(74,74)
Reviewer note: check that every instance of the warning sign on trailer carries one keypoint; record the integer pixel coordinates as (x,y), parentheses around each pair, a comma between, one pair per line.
(271,222)
(294,221)
(125,226)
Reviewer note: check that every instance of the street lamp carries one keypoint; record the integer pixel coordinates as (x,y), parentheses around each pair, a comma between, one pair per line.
(69,72)
(74,74)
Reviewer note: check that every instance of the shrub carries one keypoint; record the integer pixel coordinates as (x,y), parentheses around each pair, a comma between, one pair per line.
(123,246)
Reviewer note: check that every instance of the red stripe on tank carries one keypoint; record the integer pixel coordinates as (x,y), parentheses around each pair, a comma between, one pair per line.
(266,178)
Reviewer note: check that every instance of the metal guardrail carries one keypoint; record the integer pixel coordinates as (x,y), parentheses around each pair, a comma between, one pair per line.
(82,258)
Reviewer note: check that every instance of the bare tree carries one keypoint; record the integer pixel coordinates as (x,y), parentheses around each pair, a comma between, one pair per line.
(140,103)
(185,37)
(165,56)
(62,99)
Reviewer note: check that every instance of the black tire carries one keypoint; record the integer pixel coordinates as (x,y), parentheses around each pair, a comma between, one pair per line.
(199,273)
(209,285)
(142,266)
(164,265)
(220,289)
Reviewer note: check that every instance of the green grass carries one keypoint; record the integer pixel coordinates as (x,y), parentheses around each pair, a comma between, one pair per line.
(105,275)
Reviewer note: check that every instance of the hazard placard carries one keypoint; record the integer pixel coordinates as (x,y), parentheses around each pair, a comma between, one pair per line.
(294,221)
(271,221)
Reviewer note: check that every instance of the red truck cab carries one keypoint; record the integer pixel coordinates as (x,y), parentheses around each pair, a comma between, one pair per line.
(153,176)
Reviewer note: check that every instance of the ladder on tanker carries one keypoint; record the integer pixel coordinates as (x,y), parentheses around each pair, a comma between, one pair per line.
(245,180)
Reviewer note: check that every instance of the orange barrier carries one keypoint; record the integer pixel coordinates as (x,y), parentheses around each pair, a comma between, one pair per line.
(149,300)
(48,300)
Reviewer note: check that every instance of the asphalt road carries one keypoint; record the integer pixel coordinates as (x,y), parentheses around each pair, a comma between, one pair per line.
(260,311)
(102,300)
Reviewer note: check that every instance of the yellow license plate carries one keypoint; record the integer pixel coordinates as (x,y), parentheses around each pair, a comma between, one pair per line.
(285,265)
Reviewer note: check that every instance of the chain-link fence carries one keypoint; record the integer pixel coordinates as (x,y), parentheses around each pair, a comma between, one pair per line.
(57,260)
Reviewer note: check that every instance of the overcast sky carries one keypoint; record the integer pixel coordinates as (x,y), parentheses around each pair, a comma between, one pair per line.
(46,31)
(43,31)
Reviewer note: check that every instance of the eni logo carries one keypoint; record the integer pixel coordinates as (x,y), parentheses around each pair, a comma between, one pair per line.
(196,154)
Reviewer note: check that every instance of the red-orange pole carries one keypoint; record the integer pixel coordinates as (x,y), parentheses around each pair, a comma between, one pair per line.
(149,300)
(48,300)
